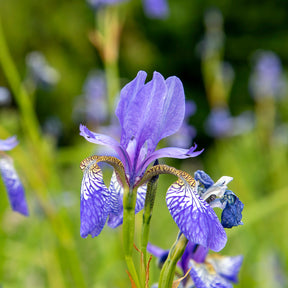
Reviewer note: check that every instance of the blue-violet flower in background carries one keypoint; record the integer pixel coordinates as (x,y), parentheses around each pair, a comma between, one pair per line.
(147,113)
(267,79)
(153,8)
(11,179)
(205,270)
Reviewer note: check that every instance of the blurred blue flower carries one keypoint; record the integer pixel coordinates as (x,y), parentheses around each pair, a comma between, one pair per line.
(153,8)
(5,97)
(40,72)
(214,37)
(220,123)
(147,113)
(205,270)
(267,78)
(11,179)
(94,98)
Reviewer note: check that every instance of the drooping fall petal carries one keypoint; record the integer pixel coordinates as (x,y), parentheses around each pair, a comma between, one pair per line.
(194,217)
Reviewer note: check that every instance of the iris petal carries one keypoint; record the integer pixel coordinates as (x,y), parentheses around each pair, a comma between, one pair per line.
(227,267)
(203,178)
(145,112)
(194,217)
(13,185)
(8,143)
(116,217)
(232,213)
(171,152)
(95,201)
(204,276)
(105,140)
(130,109)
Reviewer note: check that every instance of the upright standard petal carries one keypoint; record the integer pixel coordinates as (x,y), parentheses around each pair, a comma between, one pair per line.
(194,217)
(8,144)
(149,112)
(130,108)
(13,185)
(165,110)
(94,202)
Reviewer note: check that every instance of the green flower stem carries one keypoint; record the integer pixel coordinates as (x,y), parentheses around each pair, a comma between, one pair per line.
(129,202)
(168,270)
(147,214)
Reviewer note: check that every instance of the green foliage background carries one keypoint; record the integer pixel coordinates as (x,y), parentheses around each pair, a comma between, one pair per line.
(46,250)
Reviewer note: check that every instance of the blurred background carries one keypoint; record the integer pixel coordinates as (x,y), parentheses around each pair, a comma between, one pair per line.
(62,63)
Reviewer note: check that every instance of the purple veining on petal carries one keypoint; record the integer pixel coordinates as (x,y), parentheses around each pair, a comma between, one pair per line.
(13,185)
(116,194)
(116,215)
(205,278)
(95,201)
(227,267)
(8,144)
(194,217)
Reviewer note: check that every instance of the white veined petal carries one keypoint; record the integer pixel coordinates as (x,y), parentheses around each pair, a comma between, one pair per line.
(194,217)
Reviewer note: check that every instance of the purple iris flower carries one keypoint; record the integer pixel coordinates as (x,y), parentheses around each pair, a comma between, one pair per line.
(11,179)
(147,113)
(205,270)
(217,195)
(191,207)
(153,8)
(267,79)
(94,95)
